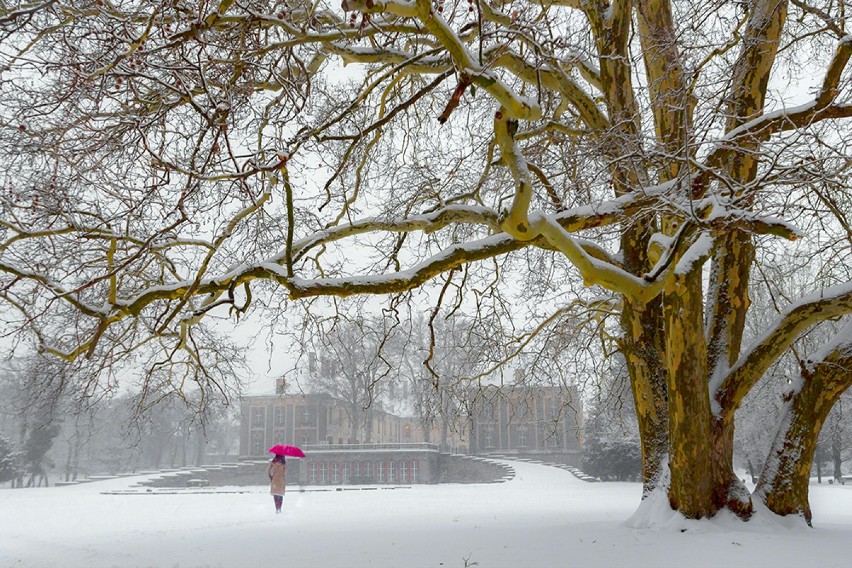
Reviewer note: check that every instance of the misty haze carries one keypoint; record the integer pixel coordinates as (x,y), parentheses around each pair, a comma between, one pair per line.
(425,283)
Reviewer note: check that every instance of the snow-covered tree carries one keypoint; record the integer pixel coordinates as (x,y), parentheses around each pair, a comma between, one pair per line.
(8,461)
(611,445)
(165,161)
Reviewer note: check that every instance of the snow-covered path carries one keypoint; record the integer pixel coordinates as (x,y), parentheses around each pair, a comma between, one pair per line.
(543,517)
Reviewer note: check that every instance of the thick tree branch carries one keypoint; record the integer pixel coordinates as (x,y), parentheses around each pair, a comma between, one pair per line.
(729,391)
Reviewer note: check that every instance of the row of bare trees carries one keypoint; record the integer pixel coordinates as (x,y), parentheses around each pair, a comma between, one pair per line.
(51,432)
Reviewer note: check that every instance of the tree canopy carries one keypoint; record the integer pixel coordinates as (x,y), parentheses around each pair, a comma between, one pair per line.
(652,162)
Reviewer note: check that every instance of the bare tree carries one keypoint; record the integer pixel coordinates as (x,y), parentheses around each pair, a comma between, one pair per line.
(165,161)
(352,363)
(441,362)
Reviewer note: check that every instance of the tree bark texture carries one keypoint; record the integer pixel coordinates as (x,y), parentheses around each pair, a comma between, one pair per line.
(783,484)
(688,398)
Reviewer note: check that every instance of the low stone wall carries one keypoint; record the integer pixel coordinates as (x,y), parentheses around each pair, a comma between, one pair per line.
(432,468)
(241,474)
(370,466)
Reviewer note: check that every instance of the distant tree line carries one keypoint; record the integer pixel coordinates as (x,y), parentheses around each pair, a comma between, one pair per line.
(48,427)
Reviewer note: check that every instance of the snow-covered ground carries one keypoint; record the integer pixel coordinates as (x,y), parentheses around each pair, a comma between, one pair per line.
(544,517)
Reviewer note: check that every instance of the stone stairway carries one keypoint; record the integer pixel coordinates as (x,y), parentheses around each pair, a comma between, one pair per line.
(575,471)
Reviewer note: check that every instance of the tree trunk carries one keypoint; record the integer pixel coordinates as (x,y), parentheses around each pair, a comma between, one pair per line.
(368,426)
(783,484)
(690,461)
(69,460)
(75,466)
(647,381)
(445,422)
(728,490)
(353,423)
(819,459)
(444,445)
(836,458)
(199,449)
(642,346)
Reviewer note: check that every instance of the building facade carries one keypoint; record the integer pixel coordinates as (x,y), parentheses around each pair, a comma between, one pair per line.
(384,448)
(523,419)
(312,419)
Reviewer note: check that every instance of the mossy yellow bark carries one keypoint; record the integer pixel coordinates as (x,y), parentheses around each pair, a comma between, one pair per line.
(783,484)
(690,459)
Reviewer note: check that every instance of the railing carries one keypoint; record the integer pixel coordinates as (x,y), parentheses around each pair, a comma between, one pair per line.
(371,447)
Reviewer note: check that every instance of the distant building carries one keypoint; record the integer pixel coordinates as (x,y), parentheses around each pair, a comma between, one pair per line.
(310,419)
(524,419)
(394,452)
(385,448)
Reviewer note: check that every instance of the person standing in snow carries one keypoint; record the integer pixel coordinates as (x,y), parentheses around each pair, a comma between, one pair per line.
(276,471)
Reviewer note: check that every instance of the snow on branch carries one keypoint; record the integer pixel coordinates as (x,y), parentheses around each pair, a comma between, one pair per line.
(593,270)
(798,317)
(518,106)
(447,259)
(427,222)
(821,108)
(839,346)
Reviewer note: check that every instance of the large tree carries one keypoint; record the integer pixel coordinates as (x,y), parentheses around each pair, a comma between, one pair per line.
(167,159)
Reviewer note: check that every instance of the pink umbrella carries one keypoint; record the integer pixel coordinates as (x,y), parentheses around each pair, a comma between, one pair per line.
(289,451)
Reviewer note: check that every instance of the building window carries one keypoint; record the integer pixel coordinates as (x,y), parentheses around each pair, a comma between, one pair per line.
(522,437)
(278,435)
(279,416)
(323,472)
(258,417)
(412,471)
(312,474)
(489,437)
(524,410)
(306,439)
(403,472)
(488,412)
(368,470)
(390,471)
(380,472)
(257,443)
(335,473)
(345,472)
(308,415)
(360,469)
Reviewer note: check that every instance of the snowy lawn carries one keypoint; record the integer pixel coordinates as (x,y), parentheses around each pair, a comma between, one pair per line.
(543,517)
